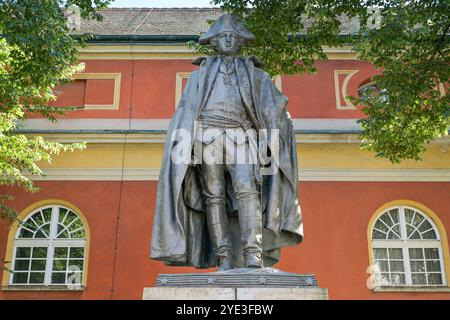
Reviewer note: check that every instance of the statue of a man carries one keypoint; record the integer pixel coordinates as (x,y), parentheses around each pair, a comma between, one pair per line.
(226,213)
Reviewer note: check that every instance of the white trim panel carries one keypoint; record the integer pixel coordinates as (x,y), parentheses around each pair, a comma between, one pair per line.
(163,124)
(398,175)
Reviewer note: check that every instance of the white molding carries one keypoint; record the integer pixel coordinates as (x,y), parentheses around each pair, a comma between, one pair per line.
(100,174)
(437,175)
(341,91)
(95,124)
(413,289)
(321,125)
(325,175)
(163,124)
(116,77)
(160,137)
(171,51)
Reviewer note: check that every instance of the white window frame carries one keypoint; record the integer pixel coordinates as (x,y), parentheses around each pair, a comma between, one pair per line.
(50,243)
(406,244)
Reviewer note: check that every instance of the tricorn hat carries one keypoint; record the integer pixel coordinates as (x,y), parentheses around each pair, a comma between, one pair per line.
(225,23)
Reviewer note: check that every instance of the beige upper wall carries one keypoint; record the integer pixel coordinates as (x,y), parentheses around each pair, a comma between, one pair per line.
(310,156)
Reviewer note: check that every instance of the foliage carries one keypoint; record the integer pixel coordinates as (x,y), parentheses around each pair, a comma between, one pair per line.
(409,43)
(36,54)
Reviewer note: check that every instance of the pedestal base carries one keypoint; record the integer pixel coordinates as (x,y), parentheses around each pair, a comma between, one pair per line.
(236,284)
(180,293)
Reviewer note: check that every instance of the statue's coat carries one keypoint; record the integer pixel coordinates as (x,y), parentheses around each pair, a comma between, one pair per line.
(180,235)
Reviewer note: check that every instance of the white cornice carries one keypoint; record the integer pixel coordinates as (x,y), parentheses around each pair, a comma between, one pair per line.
(152,51)
(162,124)
(153,130)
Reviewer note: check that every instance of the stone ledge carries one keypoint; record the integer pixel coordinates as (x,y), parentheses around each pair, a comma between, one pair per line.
(183,293)
(42,288)
(412,289)
(178,293)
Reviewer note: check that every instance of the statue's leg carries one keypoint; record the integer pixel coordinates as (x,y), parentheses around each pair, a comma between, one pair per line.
(213,186)
(249,209)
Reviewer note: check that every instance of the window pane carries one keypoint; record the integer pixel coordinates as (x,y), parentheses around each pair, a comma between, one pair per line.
(62,214)
(30,225)
(397,278)
(415,235)
(396,229)
(408,215)
(39,252)
(59,265)
(76,265)
(394,215)
(410,230)
(431,253)
(429,235)
(382,265)
(434,278)
(76,225)
(433,265)
(25,234)
(23,252)
(20,277)
(395,253)
(37,277)
(378,235)
(385,280)
(38,265)
(60,228)
(381,226)
(64,234)
(70,217)
(74,277)
(418,218)
(417,266)
(60,252)
(40,234)
(76,252)
(380,253)
(58,277)
(396,266)
(22,265)
(393,235)
(79,234)
(419,278)
(386,219)
(416,253)
(47,213)
(425,226)
(38,218)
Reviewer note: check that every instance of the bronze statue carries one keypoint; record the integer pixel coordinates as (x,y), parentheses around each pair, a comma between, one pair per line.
(235,213)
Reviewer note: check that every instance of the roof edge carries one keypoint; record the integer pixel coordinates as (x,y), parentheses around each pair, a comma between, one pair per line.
(128,38)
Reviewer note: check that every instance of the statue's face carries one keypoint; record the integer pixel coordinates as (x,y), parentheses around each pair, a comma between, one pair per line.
(227,43)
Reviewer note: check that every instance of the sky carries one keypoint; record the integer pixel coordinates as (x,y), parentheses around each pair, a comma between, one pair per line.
(161,3)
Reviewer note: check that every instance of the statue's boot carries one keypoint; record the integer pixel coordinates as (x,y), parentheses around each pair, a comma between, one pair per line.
(250,221)
(219,232)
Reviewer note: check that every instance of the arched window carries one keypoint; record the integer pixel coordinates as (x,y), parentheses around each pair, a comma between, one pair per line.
(369,86)
(407,249)
(49,248)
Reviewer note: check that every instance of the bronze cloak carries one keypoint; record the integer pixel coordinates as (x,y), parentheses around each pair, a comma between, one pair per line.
(180,235)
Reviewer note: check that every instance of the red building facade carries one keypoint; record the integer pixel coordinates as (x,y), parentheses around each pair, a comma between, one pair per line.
(89,236)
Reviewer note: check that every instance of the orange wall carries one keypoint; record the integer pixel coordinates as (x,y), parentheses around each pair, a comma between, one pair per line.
(152,94)
(313,96)
(336,216)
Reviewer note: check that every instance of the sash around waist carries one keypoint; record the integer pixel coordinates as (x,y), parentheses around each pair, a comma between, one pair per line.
(225,120)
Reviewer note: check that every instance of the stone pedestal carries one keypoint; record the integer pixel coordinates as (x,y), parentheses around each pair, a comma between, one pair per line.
(236,284)
(179,293)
